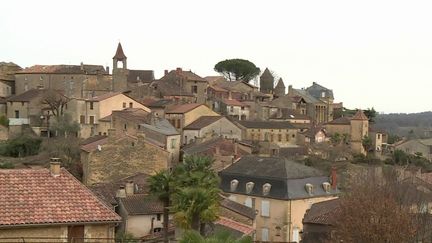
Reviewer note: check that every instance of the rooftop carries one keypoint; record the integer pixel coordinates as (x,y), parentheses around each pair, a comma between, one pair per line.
(30,95)
(266,124)
(34,196)
(64,69)
(202,122)
(323,213)
(142,204)
(182,108)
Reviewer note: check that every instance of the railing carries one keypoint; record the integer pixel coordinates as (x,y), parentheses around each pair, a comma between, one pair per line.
(18,121)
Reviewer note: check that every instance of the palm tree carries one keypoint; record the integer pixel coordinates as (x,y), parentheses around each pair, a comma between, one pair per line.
(195,200)
(218,237)
(160,185)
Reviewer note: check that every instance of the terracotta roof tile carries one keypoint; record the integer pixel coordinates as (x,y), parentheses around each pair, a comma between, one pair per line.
(141,204)
(234,102)
(119,53)
(238,208)
(31,94)
(340,121)
(202,122)
(243,228)
(34,196)
(359,116)
(91,146)
(182,108)
(323,212)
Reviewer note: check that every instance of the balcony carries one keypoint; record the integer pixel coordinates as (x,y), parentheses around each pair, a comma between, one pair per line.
(18,121)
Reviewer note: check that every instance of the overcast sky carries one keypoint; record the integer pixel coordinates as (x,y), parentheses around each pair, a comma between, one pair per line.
(371,53)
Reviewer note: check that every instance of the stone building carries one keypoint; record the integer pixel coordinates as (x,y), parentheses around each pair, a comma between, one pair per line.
(107,159)
(279,190)
(182,115)
(284,134)
(77,81)
(53,206)
(211,126)
(280,89)
(7,78)
(267,82)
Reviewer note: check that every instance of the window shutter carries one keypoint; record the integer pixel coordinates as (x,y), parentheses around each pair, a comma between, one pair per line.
(265,234)
(265,208)
(248,202)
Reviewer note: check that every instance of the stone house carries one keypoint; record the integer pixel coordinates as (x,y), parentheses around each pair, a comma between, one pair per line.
(7,78)
(354,128)
(182,115)
(314,134)
(65,208)
(422,146)
(110,158)
(210,126)
(92,114)
(128,121)
(235,109)
(284,134)
(78,81)
(291,115)
(279,190)
(223,151)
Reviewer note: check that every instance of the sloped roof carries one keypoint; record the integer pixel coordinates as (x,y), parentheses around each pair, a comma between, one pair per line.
(30,95)
(234,225)
(108,191)
(91,143)
(280,84)
(233,102)
(207,148)
(104,96)
(340,121)
(267,73)
(183,108)
(307,96)
(34,196)
(202,122)
(323,213)
(135,76)
(160,125)
(316,91)
(238,208)
(119,55)
(142,204)
(359,115)
(64,69)
(137,115)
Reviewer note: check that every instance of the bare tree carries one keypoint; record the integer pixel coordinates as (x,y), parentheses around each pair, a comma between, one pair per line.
(380,207)
(56,102)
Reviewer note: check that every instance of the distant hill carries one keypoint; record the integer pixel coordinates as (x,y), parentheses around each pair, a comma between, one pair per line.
(415,125)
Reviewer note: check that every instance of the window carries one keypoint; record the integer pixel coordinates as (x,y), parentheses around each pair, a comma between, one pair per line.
(379,136)
(130,105)
(26,87)
(158,217)
(75,233)
(242,108)
(265,208)
(323,94)
(264,234)
(16,114)
(231,108)
(124,104)
(293,136)
(287,137)
(248,202)
(125,126)
(233,185)
(194,89)
(82,119)
(280,137)
(271,137)
(177,121)
(91,105)
(173,143)
(91,119)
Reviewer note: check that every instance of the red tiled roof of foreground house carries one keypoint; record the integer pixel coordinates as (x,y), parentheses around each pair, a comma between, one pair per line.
(34,196)
(245,229)
(182,108)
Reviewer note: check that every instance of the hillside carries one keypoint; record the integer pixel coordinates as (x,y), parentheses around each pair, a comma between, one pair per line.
(406,124)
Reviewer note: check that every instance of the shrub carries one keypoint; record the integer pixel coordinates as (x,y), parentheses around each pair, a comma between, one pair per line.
(21,146)
(7,165)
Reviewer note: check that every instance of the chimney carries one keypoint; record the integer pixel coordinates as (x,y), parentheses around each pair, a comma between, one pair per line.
(333,178)
(290,89)
(55,167)
(107,69)
(130,188)
(82,66)
(165,72)
(121,192)
(178,70)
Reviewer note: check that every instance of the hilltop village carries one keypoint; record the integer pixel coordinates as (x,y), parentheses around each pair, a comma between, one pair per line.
(85,141)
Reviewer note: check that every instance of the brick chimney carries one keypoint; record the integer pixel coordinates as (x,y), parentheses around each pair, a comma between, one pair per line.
(55,167)
(130,188)
(121,192)
(333,178)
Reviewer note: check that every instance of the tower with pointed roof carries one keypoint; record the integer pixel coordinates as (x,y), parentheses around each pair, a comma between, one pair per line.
(120,74)
(359,129)
(279,90)
(266,82)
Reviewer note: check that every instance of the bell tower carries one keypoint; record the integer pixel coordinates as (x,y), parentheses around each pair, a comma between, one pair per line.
(119,74)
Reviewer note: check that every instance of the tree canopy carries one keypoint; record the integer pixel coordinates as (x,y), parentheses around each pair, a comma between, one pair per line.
(237,69)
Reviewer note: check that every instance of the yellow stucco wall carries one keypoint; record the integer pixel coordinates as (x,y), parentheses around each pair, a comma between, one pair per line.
(196,113)
(288,136)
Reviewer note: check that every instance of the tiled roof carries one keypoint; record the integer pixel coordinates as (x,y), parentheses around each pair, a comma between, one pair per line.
(34,196)
(266,124)
(359,115)
(202,122)
(119,53)
(182,108)
(217,88)
(160,125)
(92,144)
(229,223)
(340,121)
(136,115)
(286,113)
(267,73)
(208,148)
(323,213)
(64,69)
(160,103)
(212,79)
(141,204)
(135,76)
(30,95)
(238,208)
(233,102)
(107,191)
(167,88)
(104,96)
(316,91)
(280,84)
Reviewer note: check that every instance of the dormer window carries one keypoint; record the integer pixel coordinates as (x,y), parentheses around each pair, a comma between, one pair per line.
(266,189)
(323,94)
(249,187)
(309,188)
(326,186)
(233,185)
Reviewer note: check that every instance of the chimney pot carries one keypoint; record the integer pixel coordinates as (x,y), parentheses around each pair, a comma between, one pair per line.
(55,167)
(178,70)
(333,178)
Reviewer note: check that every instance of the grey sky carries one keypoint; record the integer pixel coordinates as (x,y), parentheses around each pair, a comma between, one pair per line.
(371,53)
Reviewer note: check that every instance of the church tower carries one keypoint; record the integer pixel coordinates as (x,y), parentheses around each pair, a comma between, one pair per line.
(359,129)
(266,82)
(120,74)
(279,90)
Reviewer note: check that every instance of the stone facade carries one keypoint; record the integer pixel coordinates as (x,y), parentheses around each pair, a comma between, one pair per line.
(266,82)
(180,119)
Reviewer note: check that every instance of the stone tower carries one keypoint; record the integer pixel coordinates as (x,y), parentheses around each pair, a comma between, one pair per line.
(279,90)
(266,82)
(120,73)
(359,129)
